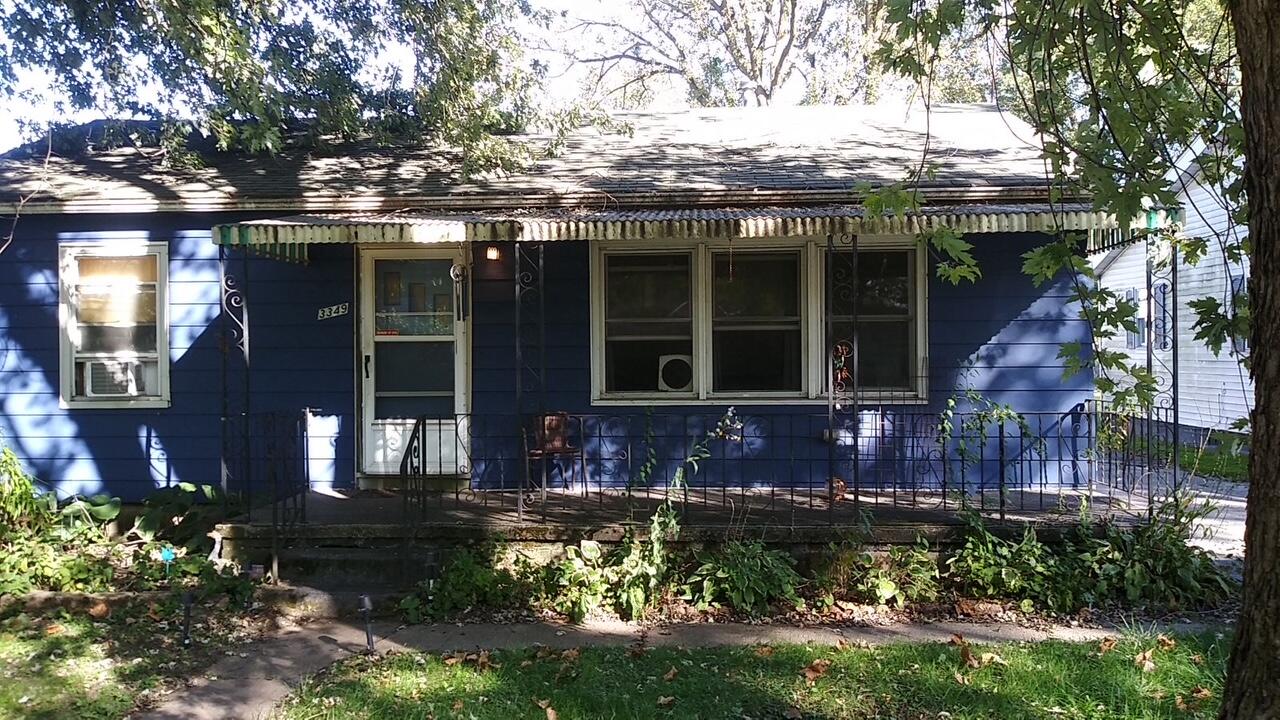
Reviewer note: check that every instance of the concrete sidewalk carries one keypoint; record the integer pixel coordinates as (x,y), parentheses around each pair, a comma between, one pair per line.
(247,688)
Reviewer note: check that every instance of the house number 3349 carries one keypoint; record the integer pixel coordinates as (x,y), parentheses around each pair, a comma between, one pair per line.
(333,311)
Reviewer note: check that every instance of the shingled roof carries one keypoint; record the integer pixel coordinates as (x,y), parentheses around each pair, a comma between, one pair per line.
(722,157)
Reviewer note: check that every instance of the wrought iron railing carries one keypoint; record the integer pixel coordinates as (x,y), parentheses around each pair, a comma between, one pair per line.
(784,466)
(265,462)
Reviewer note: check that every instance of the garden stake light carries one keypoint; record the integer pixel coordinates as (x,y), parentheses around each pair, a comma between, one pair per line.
(167,556)
(366,611)
(187,599)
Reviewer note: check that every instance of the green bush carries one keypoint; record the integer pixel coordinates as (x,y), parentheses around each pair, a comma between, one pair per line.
(904,574)
(988,566)
(1150,563)
(47,546)
(641,569)
(183,516)
(581,581)
(474,578)
(901,575)
(746,575)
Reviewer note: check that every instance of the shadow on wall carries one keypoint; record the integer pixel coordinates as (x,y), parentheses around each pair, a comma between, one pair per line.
(123,452)
(999,337)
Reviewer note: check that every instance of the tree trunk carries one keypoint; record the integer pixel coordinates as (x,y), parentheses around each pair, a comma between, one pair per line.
(1253,680)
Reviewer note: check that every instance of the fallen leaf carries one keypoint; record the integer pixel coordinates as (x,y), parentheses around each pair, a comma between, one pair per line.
(546,705)
(842,644)
(1143,660)
(567,670)
(54,629)
(1202,693)
(571,655)
(100,611)
(451,660)
(1166,642)
(1179,703)
(958,639)
(671,674)
(816,669)
(526,663)
(483,661)
(1107,645)
(665,701)
(153,612)
(963,679)
(457,705)
(764,651)
(637,651)
(991,659)
(978,608)
(1198,659)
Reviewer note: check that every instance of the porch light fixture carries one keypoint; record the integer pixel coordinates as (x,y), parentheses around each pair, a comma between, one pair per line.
(492,253)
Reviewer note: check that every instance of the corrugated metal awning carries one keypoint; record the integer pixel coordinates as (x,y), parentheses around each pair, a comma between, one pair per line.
(287,237)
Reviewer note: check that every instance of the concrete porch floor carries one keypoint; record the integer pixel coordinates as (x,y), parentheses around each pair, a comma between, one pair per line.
(706,508)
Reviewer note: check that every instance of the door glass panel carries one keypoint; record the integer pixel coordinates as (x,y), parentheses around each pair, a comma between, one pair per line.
(399,407)
(413,297)
(414,367)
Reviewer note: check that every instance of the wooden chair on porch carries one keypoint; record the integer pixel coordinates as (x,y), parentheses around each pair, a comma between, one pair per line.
(556,437)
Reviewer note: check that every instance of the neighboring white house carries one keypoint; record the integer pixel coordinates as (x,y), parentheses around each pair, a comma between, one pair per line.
(1213,390)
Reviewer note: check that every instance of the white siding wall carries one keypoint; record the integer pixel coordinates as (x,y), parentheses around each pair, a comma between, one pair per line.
(1125,273)
(1214,390)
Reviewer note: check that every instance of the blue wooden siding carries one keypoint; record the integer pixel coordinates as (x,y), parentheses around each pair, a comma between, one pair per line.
(999,336)
(298,361)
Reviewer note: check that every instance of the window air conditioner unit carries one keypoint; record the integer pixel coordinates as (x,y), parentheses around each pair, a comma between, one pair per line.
(111,378)
(675,373)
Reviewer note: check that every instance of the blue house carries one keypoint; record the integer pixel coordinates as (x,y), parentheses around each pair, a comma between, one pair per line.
(366,320)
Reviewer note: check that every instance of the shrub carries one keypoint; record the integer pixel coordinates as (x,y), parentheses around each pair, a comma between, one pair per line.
(44,547)
(642,568)
(1149,563)
(47,546)
(22,508)
(991,567)
(581,580)
(183,515)
(470,579)
(746,575)
(903,574)
(630,579)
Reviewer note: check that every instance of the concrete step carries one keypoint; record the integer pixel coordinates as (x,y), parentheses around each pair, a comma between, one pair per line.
(357,570)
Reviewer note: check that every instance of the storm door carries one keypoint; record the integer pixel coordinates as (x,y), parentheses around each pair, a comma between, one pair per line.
(413,361)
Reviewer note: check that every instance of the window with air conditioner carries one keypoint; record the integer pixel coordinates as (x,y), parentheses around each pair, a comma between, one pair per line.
(115,338)
(715,321)
(648,323)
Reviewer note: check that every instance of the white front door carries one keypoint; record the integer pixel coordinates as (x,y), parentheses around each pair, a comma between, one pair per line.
(413,361)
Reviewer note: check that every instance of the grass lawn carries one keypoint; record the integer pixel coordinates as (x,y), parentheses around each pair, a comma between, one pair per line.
(1049,680)
(68,666)
(1217,462)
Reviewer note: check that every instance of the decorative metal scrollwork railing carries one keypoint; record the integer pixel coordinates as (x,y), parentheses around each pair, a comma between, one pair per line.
(776,469)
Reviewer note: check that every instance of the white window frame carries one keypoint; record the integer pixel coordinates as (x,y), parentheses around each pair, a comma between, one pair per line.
(813,326)
(68,273)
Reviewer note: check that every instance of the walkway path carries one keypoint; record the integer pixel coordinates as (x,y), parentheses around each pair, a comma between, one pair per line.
(246,688)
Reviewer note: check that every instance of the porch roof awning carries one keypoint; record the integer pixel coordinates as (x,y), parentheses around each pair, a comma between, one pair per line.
(288,237)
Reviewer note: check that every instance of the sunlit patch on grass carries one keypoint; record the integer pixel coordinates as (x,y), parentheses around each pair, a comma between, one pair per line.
(1047,680)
